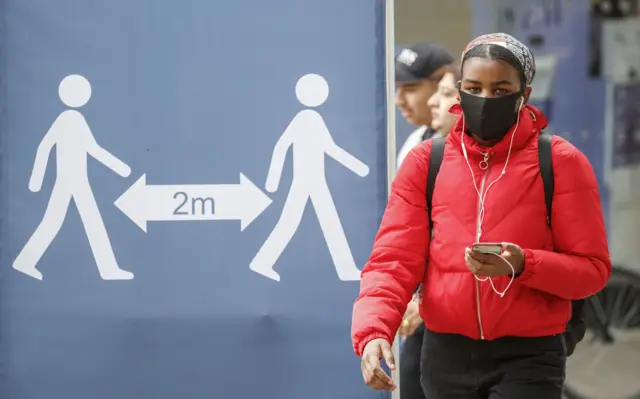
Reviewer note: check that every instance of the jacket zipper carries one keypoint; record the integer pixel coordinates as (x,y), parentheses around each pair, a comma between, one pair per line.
(486,165)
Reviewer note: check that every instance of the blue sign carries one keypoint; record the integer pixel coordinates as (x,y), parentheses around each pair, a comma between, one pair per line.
(188,191)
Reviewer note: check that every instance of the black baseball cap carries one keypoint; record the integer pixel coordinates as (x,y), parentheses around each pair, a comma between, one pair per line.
(420,61)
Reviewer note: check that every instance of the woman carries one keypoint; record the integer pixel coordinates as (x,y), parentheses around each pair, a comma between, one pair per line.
(445,97)
(494,324)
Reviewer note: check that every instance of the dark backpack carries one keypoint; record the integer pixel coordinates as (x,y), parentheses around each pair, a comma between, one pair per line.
(577,325)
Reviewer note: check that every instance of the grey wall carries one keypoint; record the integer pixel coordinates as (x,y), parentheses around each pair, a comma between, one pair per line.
(447,22)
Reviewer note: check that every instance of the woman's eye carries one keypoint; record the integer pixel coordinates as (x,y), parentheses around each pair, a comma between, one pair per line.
(473,90)
(501,92)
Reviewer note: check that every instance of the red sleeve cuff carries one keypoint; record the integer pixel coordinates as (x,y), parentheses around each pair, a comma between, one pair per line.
(363,342)
(529,269)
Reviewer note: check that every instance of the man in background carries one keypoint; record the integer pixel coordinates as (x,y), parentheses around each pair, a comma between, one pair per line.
(419,69)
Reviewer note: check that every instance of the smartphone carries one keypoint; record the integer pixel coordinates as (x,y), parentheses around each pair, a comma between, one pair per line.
(487,248)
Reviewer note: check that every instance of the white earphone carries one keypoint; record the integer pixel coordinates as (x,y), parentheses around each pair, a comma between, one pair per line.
(482,197)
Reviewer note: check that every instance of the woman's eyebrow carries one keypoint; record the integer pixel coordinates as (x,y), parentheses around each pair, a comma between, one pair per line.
(475,82)
(502,82)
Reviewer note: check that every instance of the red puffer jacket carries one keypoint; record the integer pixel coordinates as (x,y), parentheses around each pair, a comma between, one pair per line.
(568,261)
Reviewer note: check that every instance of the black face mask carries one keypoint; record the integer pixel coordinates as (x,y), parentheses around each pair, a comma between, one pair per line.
(489,118)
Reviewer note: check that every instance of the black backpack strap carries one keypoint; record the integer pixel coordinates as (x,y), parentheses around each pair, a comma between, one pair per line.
(577,325)
(435,160)
(546,170)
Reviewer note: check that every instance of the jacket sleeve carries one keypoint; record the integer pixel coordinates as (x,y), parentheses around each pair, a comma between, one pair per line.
(397,262)
(580,264)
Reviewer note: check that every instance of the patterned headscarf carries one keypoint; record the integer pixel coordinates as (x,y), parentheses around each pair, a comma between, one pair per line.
(517,48)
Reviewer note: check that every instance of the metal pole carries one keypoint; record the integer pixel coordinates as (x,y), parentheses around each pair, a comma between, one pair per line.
(391,140)
(391,94)
(609,132)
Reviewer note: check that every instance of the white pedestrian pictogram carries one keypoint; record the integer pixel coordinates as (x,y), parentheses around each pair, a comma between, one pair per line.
(73,140)
(311,141)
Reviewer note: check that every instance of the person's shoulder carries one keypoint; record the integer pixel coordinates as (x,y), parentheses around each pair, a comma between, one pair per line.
(412,174)
(562,147)
(572,168)
(414,138)
(564,152)
(421,153)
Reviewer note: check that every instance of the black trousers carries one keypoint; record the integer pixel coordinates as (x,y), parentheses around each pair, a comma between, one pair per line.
(410,359)
(457,367)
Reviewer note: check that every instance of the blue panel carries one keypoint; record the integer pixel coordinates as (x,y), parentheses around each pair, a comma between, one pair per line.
(186,93)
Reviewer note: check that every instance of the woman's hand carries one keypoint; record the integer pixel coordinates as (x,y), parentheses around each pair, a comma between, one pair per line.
(488,265)
(372,372)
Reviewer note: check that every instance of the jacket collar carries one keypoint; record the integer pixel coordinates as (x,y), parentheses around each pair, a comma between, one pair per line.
(532,121)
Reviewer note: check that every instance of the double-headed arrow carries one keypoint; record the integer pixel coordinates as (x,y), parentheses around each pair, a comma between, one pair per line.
(144,203)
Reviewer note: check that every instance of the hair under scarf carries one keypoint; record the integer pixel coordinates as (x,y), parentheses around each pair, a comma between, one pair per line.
(517,48)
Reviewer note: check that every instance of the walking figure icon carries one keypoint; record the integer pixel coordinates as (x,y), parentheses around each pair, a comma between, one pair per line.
(73,140)
(311,141)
